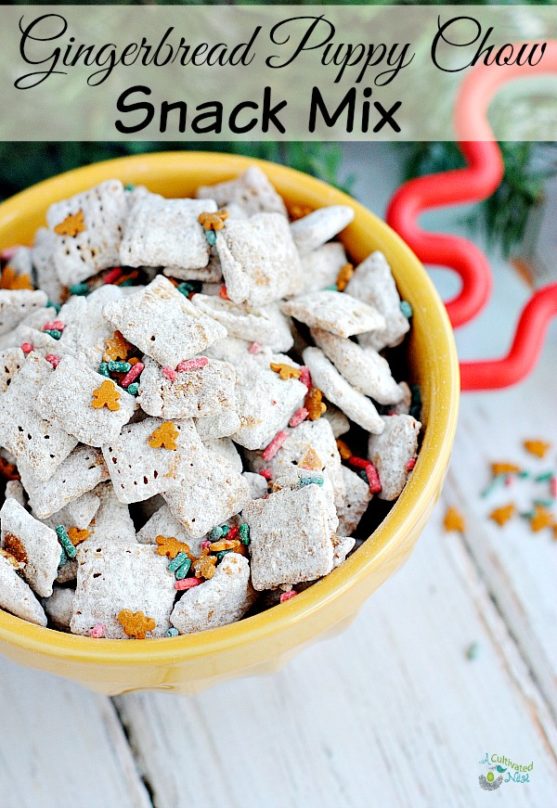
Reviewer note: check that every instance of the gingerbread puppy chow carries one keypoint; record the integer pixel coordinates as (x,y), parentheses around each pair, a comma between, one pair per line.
(163,324)
(166,233)
(223,599)
(259,260)
(393,453)
(88,230)
(196,423)
(91,408)
(290,537)
(32,544)
(126,588)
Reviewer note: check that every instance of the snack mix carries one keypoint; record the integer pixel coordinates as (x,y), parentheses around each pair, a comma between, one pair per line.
(197,415)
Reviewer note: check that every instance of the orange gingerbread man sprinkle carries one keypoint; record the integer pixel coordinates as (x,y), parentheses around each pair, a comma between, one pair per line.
(164,436)
(541,518)
(311,460)
(285,371)
(170,547)
(213,221)
(77,536)
(15,548)
(106,395)
(11,280)
(136,624)
(502,515)
(72,226)
(454,521)
(538,448)
(228,544)
(314,403)
(204,566)
(116,348)
(344,274)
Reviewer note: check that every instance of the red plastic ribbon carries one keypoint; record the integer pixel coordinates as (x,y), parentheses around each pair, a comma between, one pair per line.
(477,181)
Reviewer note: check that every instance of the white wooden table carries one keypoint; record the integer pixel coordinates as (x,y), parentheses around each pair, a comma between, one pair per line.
(391,713)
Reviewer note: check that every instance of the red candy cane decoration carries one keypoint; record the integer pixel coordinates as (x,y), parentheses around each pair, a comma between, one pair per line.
(478,180)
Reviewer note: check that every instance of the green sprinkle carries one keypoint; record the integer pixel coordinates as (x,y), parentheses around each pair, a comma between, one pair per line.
(244,533)
(522,475)
(133,388)
(183,570)
(129,282)
(54,333)
(225,530)
(406,309)
(496,481)
(527,514)
(332,287)
(185,288)
(118,367)
(544,478)
(129,186)
(172,632)
(65,541)
(211,237)
(50,304)
(315,479)
(363,475)
(216,533)
(221,554)
(103,369)
(79,289)
(472,651)
(177,562)
(544,503)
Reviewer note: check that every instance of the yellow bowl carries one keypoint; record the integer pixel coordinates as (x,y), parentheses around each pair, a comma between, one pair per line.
(263,642)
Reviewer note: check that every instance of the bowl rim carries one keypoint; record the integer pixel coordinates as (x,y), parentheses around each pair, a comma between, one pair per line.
(408,510)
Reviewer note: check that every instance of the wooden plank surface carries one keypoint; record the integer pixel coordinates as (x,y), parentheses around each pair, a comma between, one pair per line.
(62,746)
(519,566)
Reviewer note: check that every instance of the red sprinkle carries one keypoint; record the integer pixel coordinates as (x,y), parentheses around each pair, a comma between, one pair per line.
(192,364)
(288,596)
(26,347)
(53,359)
(305,376)
(553,487)
(266,473)
(254,348)
(373,478)
(187,583)
(53,325)
(232,533)
(270,451)
(205,544)
(411,463)
(97,631)
(113,275)
(223,293)
(299,416)
(169,373)
(132,374)
(358,462)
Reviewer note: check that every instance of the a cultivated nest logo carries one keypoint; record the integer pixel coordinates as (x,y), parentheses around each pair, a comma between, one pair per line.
(500,769)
